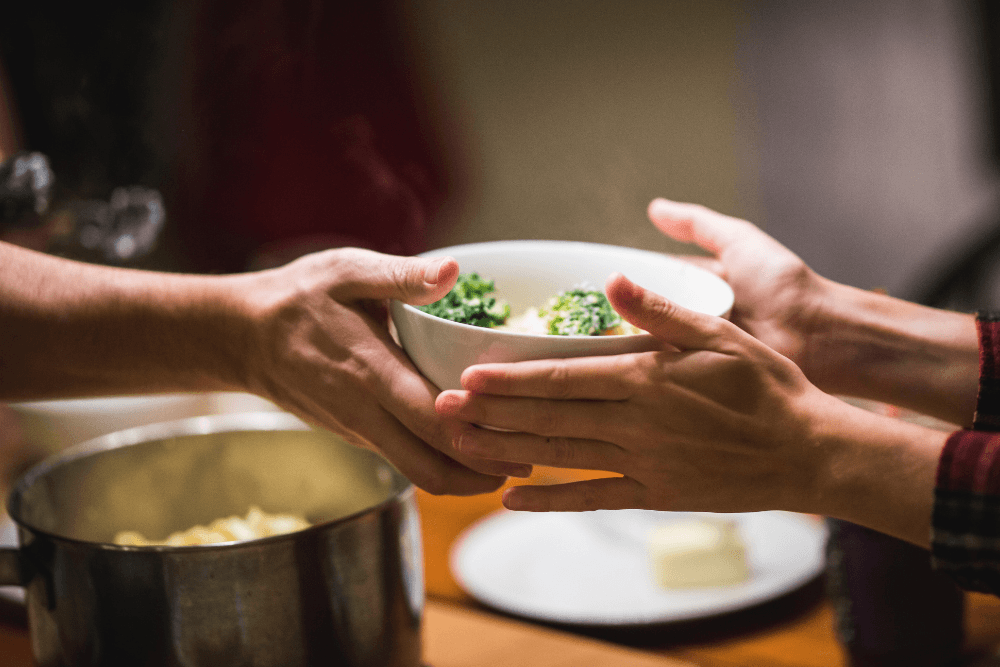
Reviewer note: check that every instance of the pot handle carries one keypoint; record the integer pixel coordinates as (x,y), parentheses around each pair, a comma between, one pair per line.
(10,567)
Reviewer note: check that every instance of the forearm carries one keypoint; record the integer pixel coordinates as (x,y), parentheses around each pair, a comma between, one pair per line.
(874,346)
(72,329)
(877,472)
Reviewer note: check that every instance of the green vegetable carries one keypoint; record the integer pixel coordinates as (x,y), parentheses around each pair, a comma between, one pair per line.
(467,303)
(580,312)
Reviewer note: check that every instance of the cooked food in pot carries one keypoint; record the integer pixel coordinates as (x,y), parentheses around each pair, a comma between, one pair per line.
(255,525)
(581,311)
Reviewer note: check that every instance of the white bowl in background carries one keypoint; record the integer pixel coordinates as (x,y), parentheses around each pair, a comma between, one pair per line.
(53,425)
(232,402)
(529,273)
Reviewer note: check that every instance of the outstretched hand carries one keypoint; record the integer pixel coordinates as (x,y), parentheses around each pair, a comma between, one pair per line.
(714,420)
(326,354)
(777,295)
(847,341)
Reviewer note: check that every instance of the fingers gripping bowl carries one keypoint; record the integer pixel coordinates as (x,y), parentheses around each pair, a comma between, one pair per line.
(527,274)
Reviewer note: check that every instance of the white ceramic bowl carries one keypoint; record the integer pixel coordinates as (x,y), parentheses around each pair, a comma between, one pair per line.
(529,273)
(56,424)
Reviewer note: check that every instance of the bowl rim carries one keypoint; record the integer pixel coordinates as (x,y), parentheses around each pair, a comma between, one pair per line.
(269,421)
(541,243)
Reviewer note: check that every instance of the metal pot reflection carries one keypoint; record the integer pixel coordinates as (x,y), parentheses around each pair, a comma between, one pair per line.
(347,591)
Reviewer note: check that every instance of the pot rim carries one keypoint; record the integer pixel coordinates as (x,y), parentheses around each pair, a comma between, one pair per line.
(203,425)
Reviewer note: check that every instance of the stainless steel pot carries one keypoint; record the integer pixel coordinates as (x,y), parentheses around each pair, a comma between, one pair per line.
(347,591)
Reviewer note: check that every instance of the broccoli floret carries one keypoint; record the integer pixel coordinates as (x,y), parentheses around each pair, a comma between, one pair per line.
(580,312)
(468,303)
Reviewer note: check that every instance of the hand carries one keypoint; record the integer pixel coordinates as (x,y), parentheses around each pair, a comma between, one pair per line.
(713,421)
(324,352)
(777,295)
(847,341)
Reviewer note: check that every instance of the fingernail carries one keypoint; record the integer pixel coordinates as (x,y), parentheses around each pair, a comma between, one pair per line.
(519,471)
(511,501)
(470,379)
(433,270)
(624,287)
(465,443)
(448,403)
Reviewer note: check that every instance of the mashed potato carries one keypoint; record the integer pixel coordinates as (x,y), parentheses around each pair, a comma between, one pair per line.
(580,311)
(531,321)
(255,525)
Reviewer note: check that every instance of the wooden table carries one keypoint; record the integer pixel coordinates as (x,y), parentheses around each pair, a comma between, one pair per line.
(796,631)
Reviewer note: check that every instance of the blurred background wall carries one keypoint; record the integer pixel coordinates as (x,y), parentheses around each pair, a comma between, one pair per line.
(875,130)
(570,116)
(860,134)
(857,133)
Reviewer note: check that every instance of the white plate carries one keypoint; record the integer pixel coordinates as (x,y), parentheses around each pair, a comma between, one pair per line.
(8,538)
(593,568)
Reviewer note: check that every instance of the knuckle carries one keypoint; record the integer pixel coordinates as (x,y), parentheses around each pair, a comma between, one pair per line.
(405,277)
(662,308)
(545,420)
(728,345)
(558,380)
(561,451)
(345,271)
(401,275)
(349,262)
(719,329)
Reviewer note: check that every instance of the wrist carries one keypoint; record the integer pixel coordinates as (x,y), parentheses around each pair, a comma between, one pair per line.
(262,307)
(168,332)
(877,472)
(228,311)
(869,345)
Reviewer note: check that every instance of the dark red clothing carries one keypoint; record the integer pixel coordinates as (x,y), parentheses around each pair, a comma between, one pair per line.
(966,523)
(270,126)
(304,124)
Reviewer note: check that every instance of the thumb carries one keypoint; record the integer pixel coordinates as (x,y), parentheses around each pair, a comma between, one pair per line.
(692,223)
(684,329)
(413,280)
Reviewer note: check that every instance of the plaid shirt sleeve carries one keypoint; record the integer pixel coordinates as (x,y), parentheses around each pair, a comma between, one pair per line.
(965,533)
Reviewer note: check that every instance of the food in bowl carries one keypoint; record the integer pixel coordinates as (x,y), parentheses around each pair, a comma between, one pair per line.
(580,311)
(577,312)
(256,525)
(528,274)
(469,302)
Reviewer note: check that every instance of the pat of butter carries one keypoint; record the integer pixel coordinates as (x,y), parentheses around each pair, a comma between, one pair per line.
(698,553)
